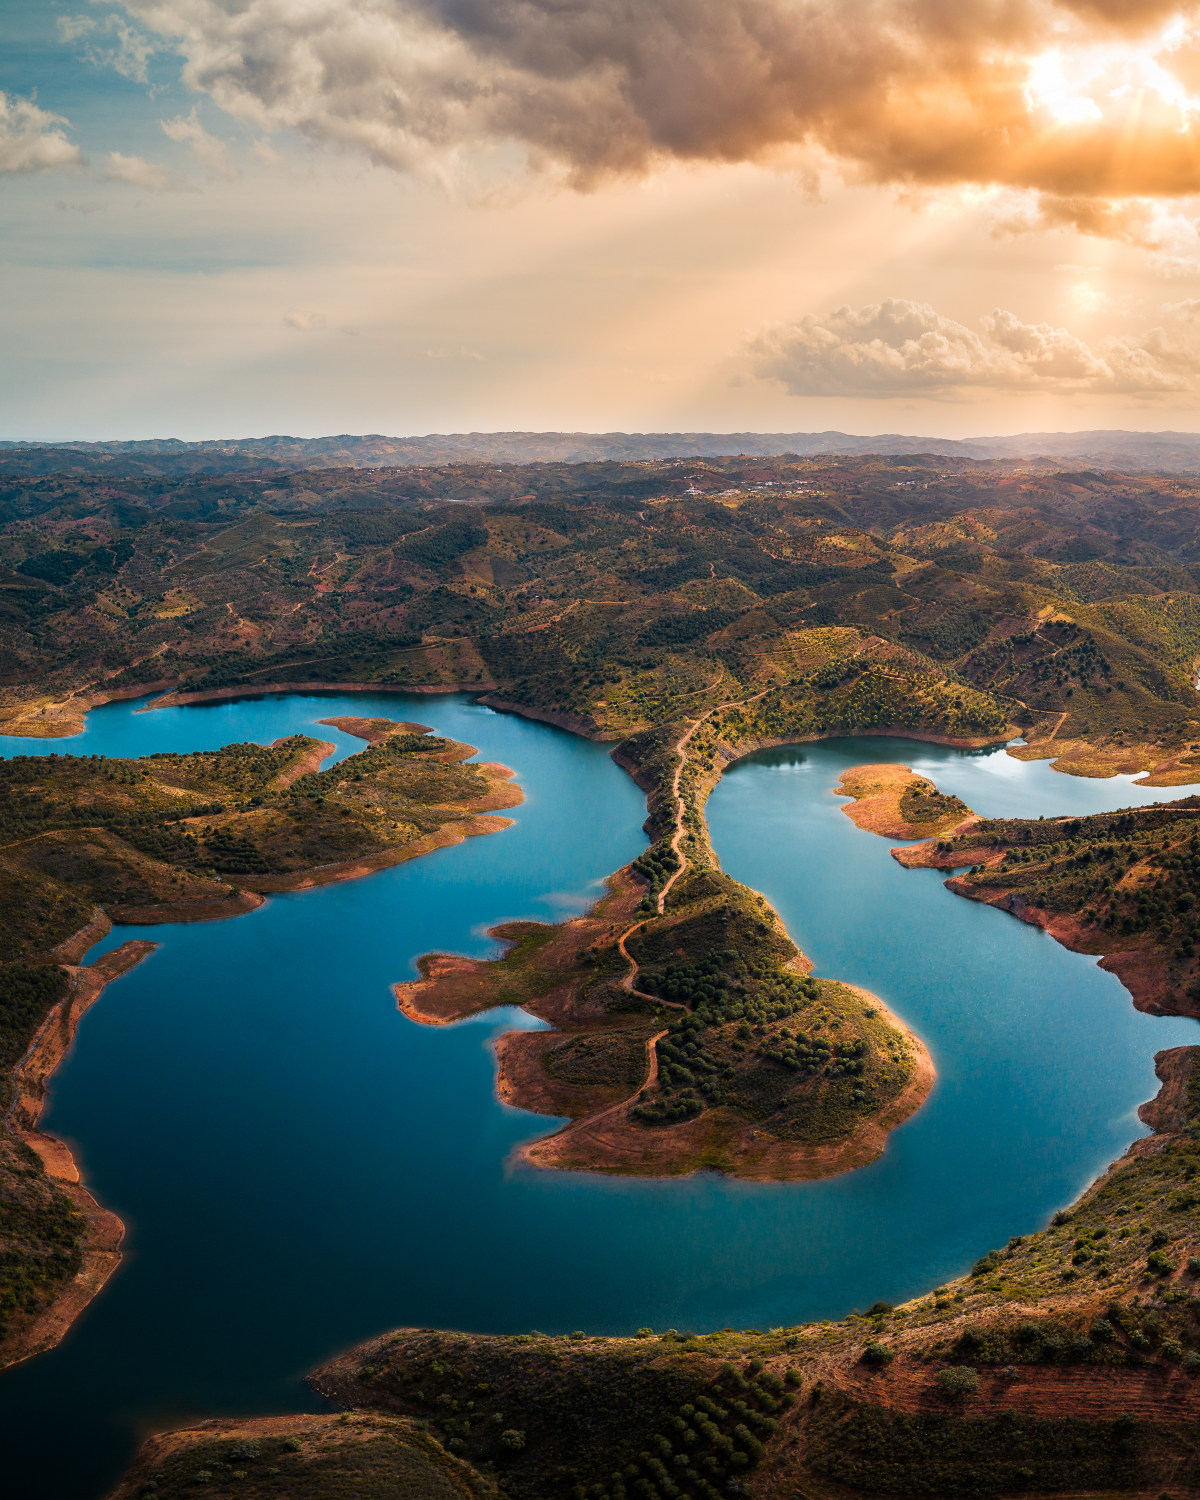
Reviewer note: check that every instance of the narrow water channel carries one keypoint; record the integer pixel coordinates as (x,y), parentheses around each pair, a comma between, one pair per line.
(299,1166)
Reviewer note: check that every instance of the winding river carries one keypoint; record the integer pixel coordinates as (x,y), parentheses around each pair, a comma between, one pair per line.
(299,1166)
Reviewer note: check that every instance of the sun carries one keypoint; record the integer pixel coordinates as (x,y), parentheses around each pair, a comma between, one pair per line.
(1094,84)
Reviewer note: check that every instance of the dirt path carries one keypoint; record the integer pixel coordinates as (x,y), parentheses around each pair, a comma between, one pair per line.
(648,1082)
(680,748)
(1062,719)
(97,685)
(630,979)
(545,624)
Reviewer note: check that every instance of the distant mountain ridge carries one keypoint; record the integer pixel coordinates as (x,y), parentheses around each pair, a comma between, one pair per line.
(1168,452)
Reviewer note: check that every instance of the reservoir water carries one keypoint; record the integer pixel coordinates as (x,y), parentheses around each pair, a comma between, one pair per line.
(299,1166)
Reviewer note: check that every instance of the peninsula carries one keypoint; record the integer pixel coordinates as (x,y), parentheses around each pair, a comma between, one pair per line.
(689,1031)
(87,842)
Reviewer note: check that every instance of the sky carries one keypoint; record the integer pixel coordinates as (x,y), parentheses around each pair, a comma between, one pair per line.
(225,218)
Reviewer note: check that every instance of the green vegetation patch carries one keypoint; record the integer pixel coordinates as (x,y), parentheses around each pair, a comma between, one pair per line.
(921,802)
(805,1058)
(613,1057)
(41,1236)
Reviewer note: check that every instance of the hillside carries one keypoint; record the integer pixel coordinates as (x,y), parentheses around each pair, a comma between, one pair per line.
(617,597)
(1132,452)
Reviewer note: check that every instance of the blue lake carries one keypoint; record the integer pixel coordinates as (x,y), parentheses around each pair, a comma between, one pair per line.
(299,1166)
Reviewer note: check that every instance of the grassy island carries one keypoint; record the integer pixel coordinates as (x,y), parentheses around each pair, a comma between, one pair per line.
(893,801)
(87,842)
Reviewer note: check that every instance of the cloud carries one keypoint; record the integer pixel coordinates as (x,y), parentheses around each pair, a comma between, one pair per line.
(209,151)
(30,140)
(127,50)
(896,348)
(1073,98)
(71,28)
(138,172)
(303,322)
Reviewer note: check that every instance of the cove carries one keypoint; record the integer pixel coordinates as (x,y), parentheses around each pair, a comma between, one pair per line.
(300,1167)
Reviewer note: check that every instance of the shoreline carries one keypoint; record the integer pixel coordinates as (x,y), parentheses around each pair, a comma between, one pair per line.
(1138,966)
(176,699)
(1064,758)
(104,1231)
(31,1077)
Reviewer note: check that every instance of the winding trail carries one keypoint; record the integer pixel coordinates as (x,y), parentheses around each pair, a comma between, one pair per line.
(1062,719)
(629,981)
(648,1082)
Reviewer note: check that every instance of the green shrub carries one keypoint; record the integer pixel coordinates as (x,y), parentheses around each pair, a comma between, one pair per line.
(957,1382)
(513,1439)
(878,1354)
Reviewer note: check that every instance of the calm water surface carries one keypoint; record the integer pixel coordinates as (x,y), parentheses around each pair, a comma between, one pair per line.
(300,1167)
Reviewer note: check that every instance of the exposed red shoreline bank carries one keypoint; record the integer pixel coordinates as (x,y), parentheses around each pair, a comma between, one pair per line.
(31,1078)
(176,699)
